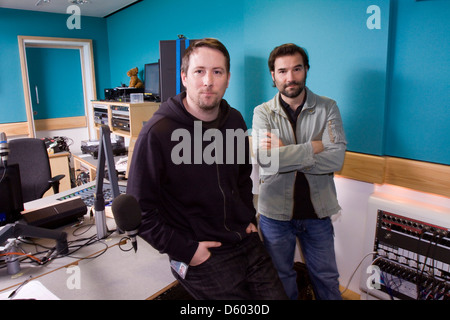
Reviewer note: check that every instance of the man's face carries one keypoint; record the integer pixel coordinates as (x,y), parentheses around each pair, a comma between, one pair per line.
(289,75)
(207,78)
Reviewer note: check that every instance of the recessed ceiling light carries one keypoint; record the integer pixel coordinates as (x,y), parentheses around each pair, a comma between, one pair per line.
(79,1)
(41,1)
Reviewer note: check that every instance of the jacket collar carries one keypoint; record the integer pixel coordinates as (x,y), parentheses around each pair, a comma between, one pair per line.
(310,103)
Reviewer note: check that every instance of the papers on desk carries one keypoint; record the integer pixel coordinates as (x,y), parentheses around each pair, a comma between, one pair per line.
(85,155)
(32,290)
(122,164)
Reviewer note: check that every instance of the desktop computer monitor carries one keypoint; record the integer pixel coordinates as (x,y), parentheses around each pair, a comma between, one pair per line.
(151,80)
(11,200)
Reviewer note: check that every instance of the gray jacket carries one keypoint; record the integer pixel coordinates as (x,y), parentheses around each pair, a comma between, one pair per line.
(319,119)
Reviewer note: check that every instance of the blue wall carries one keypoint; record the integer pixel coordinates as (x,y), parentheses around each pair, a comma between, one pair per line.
(27,23)
(134,36)
(391,84)
(348,61)
(418,117)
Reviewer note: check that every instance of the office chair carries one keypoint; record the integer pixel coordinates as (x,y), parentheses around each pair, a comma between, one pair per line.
(34,165)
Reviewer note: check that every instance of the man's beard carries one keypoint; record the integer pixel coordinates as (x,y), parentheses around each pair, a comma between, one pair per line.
(208,105)
(295,93)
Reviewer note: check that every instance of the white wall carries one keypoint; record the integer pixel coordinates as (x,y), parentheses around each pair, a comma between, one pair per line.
(74,135)
(349,228)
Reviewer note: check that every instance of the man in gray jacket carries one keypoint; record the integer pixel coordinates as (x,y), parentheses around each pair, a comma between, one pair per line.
(302,135)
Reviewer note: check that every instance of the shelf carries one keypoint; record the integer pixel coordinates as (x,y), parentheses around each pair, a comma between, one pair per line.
(121,115)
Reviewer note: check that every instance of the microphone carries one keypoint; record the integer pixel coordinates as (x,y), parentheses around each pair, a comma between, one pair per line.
(4,149)
(128,216)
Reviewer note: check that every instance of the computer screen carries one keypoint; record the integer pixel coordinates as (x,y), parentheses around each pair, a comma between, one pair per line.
(151,80)
(11,200)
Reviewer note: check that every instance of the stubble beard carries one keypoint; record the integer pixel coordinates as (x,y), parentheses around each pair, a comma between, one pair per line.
(295,93)
(206,105)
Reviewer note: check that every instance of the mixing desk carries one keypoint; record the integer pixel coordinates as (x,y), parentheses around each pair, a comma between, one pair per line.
(87,193)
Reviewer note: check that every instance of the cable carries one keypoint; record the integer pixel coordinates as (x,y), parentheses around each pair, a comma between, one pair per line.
(21,254)
(419,241)
(88,226)
(4,171)
(354,272)
(420,277)
(90,240)
(124,239)
(429,292)
(383,277)
(51,254)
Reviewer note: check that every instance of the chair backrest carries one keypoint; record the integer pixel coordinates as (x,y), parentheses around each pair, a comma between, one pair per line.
(34,166)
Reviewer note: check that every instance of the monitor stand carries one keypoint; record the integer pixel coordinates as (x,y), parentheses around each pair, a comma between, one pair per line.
(105,154)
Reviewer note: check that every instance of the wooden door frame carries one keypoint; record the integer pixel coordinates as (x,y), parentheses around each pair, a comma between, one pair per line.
(87,70)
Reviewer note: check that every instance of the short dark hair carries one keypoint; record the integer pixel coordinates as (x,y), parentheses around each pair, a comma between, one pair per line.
(206,42)
(287,49)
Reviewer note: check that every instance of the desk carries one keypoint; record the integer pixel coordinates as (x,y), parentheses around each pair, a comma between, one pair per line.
(86,162)
(105,271)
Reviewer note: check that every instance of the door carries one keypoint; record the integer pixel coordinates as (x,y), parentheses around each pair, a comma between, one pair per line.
(85,48)
(56,85)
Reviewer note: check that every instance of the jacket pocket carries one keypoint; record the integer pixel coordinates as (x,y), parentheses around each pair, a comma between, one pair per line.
(335,131)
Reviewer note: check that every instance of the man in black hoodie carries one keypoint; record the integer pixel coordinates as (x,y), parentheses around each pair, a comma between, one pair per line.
(190,173)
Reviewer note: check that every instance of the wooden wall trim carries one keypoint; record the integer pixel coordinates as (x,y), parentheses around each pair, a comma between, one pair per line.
(60,123)
(22,128)
(15,129)
(363,167)
(417,175)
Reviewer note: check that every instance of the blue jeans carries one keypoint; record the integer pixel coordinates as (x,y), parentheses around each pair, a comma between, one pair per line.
(316,237)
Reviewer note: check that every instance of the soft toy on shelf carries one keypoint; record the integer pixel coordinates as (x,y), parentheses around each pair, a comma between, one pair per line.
(135,82)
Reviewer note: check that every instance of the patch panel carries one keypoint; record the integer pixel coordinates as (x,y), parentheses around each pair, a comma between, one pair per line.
(409,243)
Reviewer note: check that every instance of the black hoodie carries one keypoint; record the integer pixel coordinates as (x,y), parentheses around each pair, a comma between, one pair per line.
(183,196)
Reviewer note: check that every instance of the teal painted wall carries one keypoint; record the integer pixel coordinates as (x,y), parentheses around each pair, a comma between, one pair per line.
(374,75)
(418,117)
(134,36)
(348,61)
(391,84)
(27,23)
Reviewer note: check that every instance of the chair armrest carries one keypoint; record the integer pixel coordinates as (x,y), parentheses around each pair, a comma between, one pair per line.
(55,182)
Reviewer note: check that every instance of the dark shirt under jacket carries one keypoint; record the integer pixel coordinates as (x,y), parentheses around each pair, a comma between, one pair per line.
(303,208)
